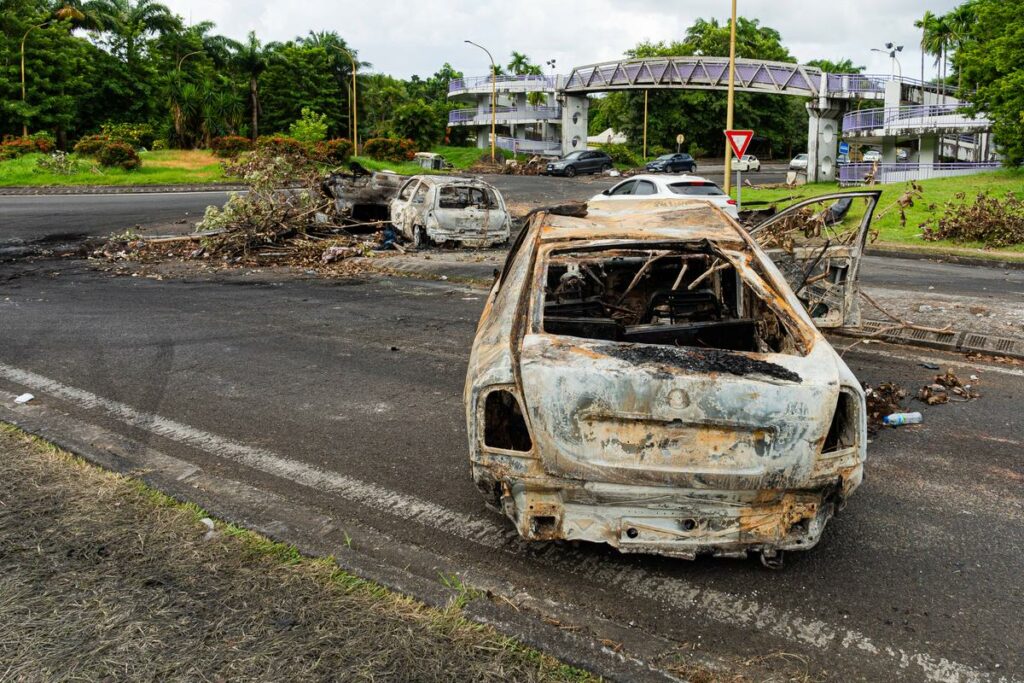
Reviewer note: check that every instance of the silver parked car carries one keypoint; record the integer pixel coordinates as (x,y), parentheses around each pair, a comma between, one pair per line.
(652,376)
(799,163)
(439,209)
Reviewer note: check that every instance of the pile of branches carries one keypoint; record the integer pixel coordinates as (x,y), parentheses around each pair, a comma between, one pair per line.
(267,214)
(535,166)
(992,221)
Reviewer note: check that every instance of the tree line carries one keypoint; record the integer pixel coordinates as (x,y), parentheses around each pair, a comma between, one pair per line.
(90,62)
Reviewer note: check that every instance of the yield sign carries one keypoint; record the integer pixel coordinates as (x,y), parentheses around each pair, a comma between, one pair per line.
(739,140)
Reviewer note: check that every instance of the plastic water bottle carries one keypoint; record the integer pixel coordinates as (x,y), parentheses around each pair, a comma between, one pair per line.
(897,419)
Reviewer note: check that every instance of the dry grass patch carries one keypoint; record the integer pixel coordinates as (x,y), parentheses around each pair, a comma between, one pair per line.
(102,578)
(190,160)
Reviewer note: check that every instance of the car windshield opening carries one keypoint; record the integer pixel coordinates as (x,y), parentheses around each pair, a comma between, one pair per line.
(674,295)
(666,157)
(697,189)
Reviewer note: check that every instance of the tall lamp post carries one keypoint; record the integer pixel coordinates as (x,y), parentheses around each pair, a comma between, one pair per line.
(731,100)
(494,97)
(892,50)
(354,117)
(65,13)
(182,60)
(24,95)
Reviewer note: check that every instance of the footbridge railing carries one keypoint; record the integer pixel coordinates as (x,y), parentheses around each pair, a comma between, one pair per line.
(924,117)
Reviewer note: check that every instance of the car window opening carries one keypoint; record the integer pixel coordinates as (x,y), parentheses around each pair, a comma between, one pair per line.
(696,189)
(465,197)
(677,296)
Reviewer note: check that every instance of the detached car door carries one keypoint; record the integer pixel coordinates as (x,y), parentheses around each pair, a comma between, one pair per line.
(818,245)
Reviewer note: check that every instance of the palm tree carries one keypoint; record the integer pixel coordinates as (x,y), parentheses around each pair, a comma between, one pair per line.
(519,64)
(961,22)
(938,38)
(924,23)
(131,22)
(251,59)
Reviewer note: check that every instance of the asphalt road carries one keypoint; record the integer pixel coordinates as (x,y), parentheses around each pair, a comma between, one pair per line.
(62,218)
(344,397)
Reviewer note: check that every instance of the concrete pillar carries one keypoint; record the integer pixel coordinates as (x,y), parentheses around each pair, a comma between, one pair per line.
(889,150)
(574,122)
(893,94)
(823,139)
(929,149)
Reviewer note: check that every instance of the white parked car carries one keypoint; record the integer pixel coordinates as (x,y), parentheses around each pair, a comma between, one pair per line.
(872,155)
(669,187)
(439,209)
(799,163)
(748,163)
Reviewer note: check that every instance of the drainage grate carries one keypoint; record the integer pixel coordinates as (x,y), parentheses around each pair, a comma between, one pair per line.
(993,346)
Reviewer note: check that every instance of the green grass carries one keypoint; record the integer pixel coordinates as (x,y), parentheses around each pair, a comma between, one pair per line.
(461,158)
(929,207)
(168,167)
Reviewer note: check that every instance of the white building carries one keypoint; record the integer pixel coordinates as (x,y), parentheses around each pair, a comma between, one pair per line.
(528,116)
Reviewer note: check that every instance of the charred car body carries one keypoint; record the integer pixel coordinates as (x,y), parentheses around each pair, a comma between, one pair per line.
(440,209)
(645,377)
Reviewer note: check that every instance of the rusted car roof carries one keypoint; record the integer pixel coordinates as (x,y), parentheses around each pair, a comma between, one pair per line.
(673,219)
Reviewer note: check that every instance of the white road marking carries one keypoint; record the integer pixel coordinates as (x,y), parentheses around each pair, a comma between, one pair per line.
(960,362)
(690,599)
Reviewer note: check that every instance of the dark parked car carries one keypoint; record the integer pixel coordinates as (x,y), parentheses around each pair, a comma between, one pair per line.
(672,163)
(580,161)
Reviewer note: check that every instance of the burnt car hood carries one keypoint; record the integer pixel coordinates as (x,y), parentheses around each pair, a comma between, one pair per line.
(683,417)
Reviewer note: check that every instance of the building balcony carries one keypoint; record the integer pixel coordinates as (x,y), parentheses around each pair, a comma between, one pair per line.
(479,85)
(522,146)
(481,116)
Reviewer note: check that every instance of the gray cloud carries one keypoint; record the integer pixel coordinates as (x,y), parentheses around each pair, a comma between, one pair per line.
(405,37)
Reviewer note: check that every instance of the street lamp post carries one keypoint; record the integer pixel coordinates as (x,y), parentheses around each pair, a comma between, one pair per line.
(354,114)
(24,95)
(494,98)
(892,50)
(182,60)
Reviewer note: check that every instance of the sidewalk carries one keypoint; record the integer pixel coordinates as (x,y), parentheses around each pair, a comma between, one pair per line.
(102,578)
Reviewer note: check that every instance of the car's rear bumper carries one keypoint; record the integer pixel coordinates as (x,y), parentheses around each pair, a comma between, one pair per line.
(677,522)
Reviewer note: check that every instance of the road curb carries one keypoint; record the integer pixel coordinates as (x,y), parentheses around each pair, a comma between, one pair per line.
(913,255)
(54,190)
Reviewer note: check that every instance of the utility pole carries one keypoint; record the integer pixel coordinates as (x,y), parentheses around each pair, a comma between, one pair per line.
(732,98)
(494,98)
(645,125)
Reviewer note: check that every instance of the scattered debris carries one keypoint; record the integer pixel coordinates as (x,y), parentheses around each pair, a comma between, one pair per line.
(947,386)
(24,398)
(990,220)
(535,166)
(883,401)
(904,202)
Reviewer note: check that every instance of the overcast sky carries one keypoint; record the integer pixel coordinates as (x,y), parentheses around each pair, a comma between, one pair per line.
(405,37)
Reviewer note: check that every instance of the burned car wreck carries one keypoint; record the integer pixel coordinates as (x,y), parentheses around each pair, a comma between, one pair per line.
(646,377)
(433,209)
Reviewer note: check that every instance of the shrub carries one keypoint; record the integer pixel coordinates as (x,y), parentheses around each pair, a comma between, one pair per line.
(135,134)
(311,128)
(280,144)
(90,145)
(59,163)
(12,148)
(390,149)
(119,155)
(622,154)
(159,144)
(696,151)
(657,150)
(230,146)
(336,151)
(44,142)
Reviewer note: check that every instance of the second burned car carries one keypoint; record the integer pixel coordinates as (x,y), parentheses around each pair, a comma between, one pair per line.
(433,209)
(648,377)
